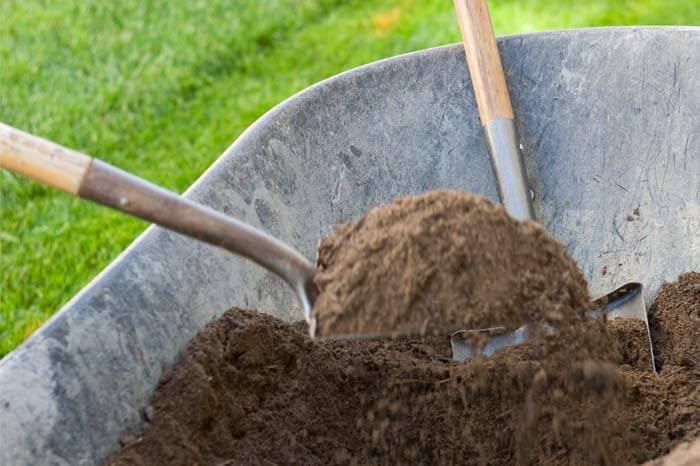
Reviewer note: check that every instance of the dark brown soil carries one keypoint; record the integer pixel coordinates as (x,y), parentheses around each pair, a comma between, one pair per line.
(678,303)
(253,390)
(668,405)
(632,341)
(440,262)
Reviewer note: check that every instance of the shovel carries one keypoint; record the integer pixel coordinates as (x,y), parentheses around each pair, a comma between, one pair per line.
(81,175)
(496,114)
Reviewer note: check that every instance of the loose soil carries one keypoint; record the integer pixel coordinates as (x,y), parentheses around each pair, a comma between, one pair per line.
(440,262)
(251,389)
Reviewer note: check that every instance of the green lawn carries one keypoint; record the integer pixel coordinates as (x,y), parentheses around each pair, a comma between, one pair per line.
(162,88)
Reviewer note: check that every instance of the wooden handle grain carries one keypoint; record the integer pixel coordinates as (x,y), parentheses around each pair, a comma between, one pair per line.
(97,181)
(488,79)
(42,160)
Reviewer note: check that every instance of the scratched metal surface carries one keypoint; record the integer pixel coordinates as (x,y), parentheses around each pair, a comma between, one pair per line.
(609,119)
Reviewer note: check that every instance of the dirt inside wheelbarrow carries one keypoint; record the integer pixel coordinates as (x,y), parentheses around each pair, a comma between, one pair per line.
(251,389)
(443,261)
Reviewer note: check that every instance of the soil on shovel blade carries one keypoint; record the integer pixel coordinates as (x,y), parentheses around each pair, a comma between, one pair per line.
(251,389)
(440,262)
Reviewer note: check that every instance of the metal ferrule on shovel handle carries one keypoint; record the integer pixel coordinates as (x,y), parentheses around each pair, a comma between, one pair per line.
(508,165)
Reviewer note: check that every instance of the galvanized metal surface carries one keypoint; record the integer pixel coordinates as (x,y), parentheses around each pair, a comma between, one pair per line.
(509,168)
(609,122)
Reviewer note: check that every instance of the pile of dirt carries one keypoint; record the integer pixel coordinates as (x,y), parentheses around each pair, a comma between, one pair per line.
(666,408)
(251,389)
(442,261)
(678,303)
(632,341)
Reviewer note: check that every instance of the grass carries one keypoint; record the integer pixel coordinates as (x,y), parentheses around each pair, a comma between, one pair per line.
(162,88)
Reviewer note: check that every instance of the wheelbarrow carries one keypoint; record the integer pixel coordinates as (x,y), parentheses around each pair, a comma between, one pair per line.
(609,121)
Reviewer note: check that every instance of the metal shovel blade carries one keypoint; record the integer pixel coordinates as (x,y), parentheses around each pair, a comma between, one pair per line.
(626,302)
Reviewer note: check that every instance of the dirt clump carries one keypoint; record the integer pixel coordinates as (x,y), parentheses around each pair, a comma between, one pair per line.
(675,320)
(439,262)
(632,341)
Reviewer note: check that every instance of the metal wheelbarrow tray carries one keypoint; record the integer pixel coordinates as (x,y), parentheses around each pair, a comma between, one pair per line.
(610,119)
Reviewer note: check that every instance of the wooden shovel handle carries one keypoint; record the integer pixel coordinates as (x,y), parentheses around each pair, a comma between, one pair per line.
(488,79)
(97,181)
(42,160)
